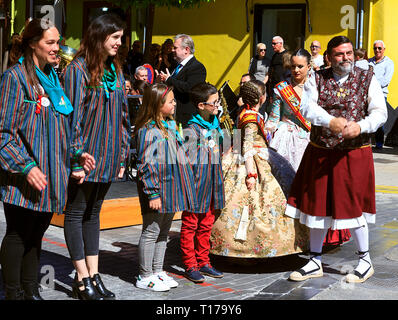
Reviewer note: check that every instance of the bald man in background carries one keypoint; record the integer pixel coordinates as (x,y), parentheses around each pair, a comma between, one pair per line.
(317,58)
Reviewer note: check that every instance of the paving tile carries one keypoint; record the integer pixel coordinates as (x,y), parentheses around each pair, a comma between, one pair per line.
(281,286)
(300,294)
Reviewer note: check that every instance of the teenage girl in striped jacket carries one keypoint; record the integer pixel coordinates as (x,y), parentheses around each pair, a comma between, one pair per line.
(100,127)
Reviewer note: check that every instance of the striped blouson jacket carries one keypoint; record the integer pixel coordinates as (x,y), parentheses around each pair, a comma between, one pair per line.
(164,172)
(99,126)
(206,163)
(29,139)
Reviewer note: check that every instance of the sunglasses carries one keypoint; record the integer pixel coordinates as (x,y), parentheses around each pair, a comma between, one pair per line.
(378,48)
(213,104)
(314,47)
(261,50)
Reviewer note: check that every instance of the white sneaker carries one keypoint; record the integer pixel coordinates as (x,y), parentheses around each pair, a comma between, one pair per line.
(169,281)
(152,283)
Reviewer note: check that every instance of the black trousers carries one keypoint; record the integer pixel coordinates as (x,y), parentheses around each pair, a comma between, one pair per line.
(82,224)
(21,245)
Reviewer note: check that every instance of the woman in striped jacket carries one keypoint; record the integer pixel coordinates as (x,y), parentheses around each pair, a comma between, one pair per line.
(100,126)
(166,183)
(34,155)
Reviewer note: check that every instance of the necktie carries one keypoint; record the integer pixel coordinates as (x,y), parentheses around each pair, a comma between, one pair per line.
(177,69)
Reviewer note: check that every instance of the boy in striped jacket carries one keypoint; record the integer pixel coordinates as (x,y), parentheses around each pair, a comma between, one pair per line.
(204,136)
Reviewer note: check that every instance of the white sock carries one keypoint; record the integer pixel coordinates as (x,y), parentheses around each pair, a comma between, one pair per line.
(361,237)
(316,243)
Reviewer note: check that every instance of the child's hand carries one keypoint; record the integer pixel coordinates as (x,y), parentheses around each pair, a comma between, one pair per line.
(121,173)
(79,176)
(250,183)
(155,204)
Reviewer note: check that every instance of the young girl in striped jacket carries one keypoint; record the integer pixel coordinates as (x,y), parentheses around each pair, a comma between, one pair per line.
(165,183)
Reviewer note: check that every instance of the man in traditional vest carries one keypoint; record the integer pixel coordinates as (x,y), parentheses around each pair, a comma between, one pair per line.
(335,185)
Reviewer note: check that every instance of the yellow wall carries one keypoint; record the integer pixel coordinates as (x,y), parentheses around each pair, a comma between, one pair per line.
(385,27)
(219,32)
(224,47)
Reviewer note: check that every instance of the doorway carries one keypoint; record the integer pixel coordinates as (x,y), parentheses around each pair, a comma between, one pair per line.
(287,21)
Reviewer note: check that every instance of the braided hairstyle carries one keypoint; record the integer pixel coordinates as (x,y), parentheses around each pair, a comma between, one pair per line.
(251,92)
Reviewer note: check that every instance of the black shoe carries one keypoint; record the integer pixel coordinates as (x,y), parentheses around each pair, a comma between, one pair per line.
(208,270)
(14,294)
(99,285)
(89,292)
(31,291)
(194,275)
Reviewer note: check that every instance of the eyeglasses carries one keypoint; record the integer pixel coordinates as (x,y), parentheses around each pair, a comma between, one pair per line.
(378,48)
(213,104)
(315,47)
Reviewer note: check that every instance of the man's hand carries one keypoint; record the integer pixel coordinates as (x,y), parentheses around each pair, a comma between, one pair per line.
(37,179)
(164,76)
(352,130)
(155,204)
(337,125)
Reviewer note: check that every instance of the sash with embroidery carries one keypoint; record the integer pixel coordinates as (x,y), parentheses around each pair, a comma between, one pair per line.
(246,117)
(293,101)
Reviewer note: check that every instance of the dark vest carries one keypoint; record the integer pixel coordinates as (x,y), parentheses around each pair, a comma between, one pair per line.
(349,101)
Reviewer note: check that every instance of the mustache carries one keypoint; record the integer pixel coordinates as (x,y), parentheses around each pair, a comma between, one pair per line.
(346,61)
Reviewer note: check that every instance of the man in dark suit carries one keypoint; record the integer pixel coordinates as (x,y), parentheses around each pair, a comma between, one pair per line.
(187,74)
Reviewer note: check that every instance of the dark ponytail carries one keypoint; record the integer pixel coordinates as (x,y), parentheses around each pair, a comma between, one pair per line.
(302,53)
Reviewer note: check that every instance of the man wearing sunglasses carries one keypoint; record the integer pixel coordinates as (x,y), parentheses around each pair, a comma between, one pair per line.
(259,64)
(383,68)
(276,72)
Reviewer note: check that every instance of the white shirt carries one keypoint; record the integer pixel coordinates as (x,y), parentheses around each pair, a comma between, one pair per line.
(318,61)
(318,116)
(363,64)
(183,63)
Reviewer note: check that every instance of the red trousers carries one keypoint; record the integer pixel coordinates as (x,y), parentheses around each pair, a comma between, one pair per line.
(195,238)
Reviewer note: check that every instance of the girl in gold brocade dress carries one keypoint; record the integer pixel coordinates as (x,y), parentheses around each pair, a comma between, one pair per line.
(253,224)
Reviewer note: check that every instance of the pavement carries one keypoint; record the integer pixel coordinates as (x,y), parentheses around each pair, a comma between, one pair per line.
(244,279)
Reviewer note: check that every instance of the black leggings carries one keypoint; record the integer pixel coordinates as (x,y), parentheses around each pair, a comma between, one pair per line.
(82,225)
(21,245)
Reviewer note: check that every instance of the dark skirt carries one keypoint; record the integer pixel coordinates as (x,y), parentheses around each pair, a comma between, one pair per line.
(335,183)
